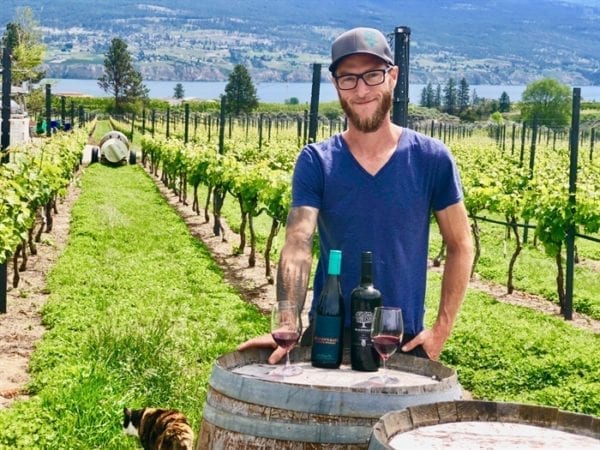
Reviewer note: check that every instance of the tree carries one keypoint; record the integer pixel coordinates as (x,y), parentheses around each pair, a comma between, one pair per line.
(120,78)
(548,102)
(463,95)
(450,96)
(23,38)
(428,96)
(240,93)
(504,102)
(437,98)
(179,92)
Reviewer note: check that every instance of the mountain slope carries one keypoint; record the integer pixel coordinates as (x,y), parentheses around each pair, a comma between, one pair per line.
(507,42)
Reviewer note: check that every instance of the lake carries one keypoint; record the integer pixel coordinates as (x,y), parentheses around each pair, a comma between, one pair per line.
(278,92)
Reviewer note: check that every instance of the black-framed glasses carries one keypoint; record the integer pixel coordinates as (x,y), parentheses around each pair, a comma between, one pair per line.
(371,78)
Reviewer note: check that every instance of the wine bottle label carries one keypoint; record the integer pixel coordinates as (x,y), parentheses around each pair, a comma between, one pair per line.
(327,343)
(362,328)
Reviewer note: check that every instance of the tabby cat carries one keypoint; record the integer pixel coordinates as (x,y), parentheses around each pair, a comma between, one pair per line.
(159,429)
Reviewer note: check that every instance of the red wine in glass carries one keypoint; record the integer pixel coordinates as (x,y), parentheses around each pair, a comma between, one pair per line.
(386,345)
(387,329)
(286,326)
(286,339)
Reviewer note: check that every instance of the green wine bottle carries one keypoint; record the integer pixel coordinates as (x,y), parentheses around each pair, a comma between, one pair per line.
(327,348)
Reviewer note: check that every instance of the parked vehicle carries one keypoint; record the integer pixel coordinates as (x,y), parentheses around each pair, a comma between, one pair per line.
(113,149)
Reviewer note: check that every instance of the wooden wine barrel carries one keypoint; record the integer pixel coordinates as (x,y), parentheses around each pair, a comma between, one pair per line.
(482,424)
(318,409)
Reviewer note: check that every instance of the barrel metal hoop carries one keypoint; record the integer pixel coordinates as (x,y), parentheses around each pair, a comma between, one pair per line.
(307,432)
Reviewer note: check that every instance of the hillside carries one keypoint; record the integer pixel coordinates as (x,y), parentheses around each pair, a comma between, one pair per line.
(492,42)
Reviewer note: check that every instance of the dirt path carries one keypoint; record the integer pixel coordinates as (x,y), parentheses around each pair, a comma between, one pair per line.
(21,327)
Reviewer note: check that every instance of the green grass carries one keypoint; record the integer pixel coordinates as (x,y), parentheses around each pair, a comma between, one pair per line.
(102,127)
(503,352)
(135,318)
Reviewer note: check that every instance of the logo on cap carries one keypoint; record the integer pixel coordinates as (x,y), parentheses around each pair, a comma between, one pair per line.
(370,38)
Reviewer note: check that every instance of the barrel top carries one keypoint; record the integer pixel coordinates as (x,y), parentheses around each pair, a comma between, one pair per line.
(462,424)
(342,377)
(414,374)
(477,435)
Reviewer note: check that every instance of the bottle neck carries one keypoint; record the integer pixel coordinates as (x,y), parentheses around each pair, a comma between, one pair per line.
(366,274)
(332,279)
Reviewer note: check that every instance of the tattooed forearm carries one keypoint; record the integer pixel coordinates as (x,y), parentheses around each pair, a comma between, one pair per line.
(296,255)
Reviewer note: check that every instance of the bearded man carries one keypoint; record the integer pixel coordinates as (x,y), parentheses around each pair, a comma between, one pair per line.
(374,188)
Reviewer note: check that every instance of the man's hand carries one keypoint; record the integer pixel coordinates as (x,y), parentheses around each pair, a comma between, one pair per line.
(264,341)
(432,343)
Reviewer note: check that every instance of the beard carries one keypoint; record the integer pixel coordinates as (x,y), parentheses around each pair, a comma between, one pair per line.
(372,123)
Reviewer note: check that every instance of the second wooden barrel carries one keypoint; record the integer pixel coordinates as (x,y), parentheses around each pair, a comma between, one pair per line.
(246,408)
(484,425)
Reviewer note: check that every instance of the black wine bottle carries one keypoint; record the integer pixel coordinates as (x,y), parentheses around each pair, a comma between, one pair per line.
(363,300)
(327,348)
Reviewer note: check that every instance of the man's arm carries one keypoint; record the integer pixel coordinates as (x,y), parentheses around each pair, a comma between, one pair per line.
(295,260)
(293,270)
(454,227)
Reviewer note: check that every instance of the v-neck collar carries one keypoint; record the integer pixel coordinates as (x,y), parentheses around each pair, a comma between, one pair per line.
(346,148)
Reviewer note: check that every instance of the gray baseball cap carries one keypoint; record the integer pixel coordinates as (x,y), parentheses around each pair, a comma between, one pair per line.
(360,40)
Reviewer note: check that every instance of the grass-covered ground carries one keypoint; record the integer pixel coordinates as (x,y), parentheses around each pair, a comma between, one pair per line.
(137,314)
(139,311)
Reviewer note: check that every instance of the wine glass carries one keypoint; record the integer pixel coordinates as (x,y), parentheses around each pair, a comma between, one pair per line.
(386,333)
(286,326)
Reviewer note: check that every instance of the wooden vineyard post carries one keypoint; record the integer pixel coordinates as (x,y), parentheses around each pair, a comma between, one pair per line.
(260,130)
(186,132)
(62,111)
(6,82)
(168,121)
(573,152)
(48,110)
(401,59)
(314,103)
(153,119)
(218,192)
(305,129)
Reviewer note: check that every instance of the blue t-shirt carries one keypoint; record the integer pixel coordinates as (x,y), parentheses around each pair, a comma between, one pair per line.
(387,213)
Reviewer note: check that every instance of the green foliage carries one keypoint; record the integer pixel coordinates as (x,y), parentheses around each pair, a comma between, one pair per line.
(36,175)
(136,318)
(509,353)
(497,118)
(548,102)
(25,41)
(179,92)
(120,77)
(504,103)
(240,93)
